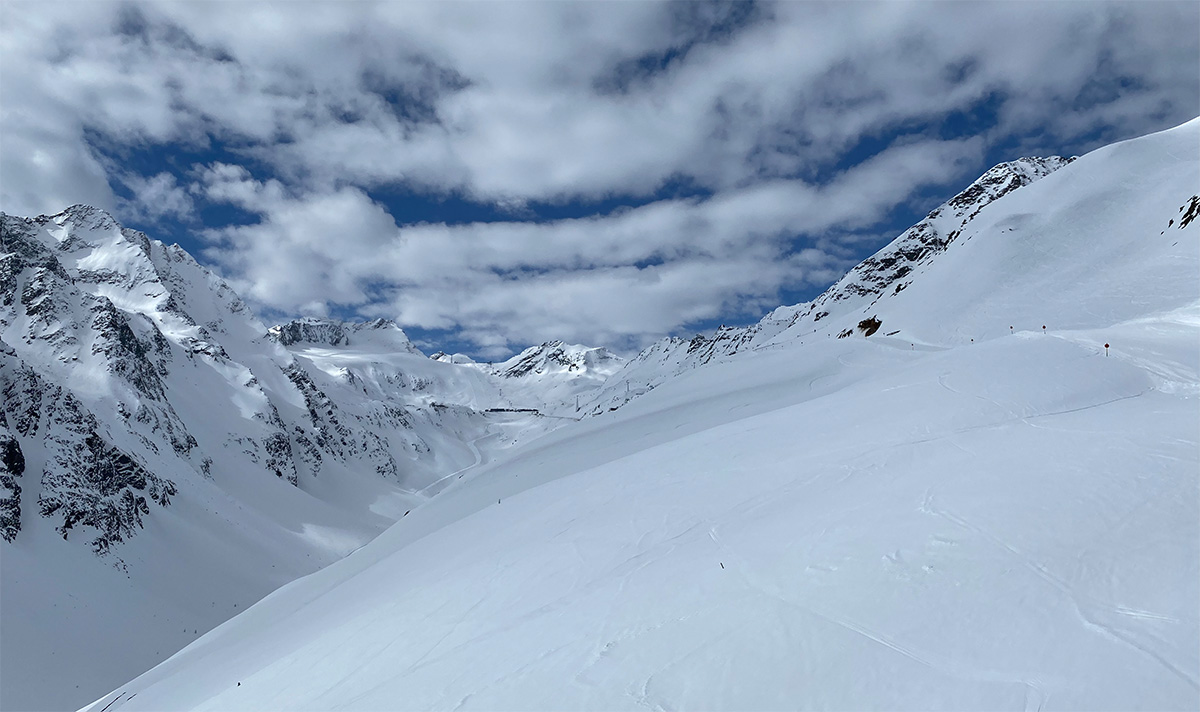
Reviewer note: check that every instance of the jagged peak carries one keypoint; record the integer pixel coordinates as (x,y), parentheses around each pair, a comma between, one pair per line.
(309,329)
(325,331)
(1039,164)
(1000,179)
(81,219)
(887,268)
(556,354)
(86,217)
(444,357)
(558,348)
(380,323)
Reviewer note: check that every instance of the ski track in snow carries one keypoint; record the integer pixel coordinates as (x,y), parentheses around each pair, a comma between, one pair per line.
(1077,600)
(746,573)
(473,445)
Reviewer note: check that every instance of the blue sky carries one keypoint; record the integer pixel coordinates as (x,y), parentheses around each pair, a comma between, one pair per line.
(493,175)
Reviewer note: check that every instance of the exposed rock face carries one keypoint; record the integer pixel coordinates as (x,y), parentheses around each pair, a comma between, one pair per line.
(1189,211)
(887,270)
(311,331)
(12,466)
(92,483)
(86,480)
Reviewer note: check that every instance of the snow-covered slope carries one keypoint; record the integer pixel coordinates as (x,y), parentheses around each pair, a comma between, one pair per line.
(165,458)
(553,377)
(951,508)
(557,375)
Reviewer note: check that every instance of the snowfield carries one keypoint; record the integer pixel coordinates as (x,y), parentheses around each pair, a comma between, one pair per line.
(948,514)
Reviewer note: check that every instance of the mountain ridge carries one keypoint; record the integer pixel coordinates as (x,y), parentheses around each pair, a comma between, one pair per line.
(870,279)
(323,440)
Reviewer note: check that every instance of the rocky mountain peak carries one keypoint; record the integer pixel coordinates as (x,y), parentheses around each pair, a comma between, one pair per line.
(887,271)
(558,356)
(1001,179)
(377,334)
(84,217)
(309,330)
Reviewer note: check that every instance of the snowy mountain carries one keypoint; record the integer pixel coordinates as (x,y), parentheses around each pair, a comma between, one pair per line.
(557,374)
(165,457)
(552,377)
(557,357)
(884,274)
(382,335)
(963,478)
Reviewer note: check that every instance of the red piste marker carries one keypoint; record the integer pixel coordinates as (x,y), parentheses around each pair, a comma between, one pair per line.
(1106,349)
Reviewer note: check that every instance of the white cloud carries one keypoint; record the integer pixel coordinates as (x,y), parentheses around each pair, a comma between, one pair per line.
(157,197)
(667,264)
(44,167)
(306,253)
(519,103)
(508,104)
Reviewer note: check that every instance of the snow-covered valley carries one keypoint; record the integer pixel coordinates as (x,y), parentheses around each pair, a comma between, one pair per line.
(169,460)
(965,477)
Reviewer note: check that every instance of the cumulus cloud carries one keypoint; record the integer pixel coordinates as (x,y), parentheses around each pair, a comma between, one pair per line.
(800,126)
(155,197)
(306,252)
(44,166)
(624,277)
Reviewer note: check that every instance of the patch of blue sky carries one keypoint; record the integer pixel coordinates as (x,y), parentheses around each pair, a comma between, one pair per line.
(409,205)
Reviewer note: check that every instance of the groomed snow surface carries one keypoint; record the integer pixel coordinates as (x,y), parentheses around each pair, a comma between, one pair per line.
(915,521)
